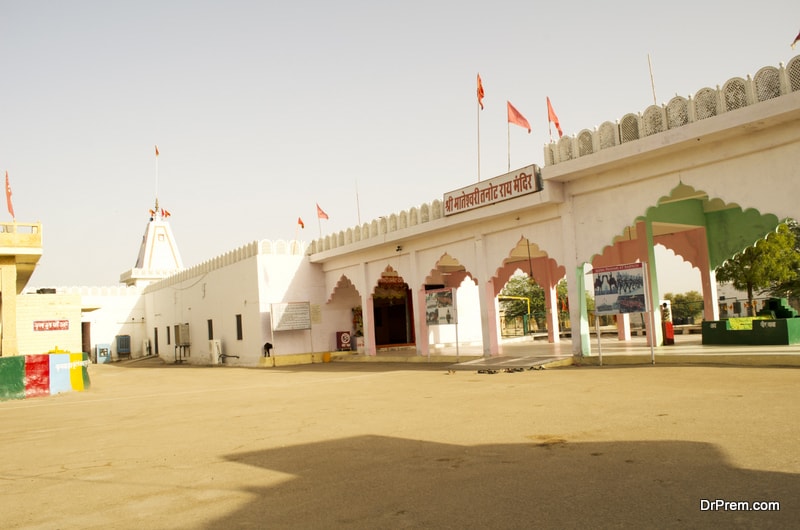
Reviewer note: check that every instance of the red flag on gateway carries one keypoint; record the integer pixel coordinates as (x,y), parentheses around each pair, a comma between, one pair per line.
(300,221)
(551,116)
(8,199)
(480,92)
(516,118)
(320,213)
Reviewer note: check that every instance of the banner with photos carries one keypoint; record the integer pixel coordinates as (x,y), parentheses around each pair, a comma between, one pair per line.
(619,289)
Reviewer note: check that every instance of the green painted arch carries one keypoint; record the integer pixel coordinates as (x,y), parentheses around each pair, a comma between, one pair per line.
(732,231)
(729,228)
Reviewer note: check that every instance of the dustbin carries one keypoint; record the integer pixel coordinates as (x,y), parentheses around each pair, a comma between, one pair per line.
(102,353)
(343,340)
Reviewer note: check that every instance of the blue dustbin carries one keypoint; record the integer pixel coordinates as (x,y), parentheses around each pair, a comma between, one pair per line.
(103,353)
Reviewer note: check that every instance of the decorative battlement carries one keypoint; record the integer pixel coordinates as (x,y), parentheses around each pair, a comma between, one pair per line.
(397,221)
(111,290)
(768,83)
(279,247)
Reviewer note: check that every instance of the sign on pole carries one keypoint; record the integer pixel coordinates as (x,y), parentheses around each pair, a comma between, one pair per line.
(619,289)
(440,307)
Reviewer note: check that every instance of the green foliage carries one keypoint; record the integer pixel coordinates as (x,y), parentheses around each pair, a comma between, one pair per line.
(686,307)
(789,288)
(521,285)
(767,265)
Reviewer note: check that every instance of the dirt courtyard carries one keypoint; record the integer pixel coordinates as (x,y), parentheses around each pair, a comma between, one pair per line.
(357,445)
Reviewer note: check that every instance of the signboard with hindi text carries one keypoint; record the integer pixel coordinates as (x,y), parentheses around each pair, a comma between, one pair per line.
(514,184)
(291,316)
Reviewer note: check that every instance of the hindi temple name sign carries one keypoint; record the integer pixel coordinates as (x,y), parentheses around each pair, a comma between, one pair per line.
(509,186)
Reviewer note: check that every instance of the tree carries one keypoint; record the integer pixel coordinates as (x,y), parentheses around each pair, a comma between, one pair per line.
(769,263)
(685,307)
(790,288)
(521,285)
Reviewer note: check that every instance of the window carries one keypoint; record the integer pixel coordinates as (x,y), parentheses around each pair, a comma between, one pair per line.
(210,329)
(168,338)
(238,327)
(155,339)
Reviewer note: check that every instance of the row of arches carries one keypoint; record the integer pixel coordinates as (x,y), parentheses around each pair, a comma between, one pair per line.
(391,290)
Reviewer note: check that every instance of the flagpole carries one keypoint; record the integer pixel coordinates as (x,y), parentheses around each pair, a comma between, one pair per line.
(296,232)
(478,108)
(358,205)
(652,83)
(508,128)
(157,211)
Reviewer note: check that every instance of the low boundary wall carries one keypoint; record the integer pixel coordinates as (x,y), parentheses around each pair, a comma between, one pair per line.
(761,332)
(24,376)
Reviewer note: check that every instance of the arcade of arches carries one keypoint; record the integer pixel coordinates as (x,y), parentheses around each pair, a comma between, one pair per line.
(701,230)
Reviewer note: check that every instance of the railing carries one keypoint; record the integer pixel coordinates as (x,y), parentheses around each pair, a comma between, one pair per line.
(21,235)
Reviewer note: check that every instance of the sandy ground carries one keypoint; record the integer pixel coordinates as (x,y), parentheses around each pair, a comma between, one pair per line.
(370,445)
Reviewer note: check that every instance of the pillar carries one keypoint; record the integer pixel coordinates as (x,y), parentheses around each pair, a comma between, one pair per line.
(8,307)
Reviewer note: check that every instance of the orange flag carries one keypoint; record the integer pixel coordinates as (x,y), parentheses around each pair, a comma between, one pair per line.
(795,40)
(165,213)
(8,199)
(300,221)
(516,118)
(320,213)
(551,116)
(480,92)
(156,150)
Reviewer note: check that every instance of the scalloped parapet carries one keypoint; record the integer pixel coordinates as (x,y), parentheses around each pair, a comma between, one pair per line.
(265,246)
(768,83)
(382,226)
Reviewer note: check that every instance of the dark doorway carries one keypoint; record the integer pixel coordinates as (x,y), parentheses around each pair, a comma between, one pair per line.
(393,318)
(86,340)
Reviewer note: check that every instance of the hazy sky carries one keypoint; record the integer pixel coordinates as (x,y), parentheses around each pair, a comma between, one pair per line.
(262,109)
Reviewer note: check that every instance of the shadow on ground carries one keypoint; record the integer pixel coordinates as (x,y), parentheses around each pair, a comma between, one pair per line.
(382,482)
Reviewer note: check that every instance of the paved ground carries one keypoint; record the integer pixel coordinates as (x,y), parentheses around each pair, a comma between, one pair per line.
(368,445)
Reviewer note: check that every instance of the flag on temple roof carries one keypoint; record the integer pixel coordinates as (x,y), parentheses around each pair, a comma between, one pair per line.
(300,221)
(320,213)
(515,117)
(795,40)
(8,199)
(480,92)
(551,116)
(165,213)
(156,150)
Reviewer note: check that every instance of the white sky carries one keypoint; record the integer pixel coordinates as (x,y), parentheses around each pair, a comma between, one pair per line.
(260,110)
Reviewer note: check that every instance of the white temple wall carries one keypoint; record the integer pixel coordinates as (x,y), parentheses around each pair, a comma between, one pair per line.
(120,311)
(212,297)
(292,278)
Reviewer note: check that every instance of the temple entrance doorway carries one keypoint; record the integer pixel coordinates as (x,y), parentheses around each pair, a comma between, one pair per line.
(393,313)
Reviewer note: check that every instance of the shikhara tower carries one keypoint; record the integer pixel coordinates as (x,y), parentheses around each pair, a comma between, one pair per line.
(159,256)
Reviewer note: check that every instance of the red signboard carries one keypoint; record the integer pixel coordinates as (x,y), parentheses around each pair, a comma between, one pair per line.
(50,325)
